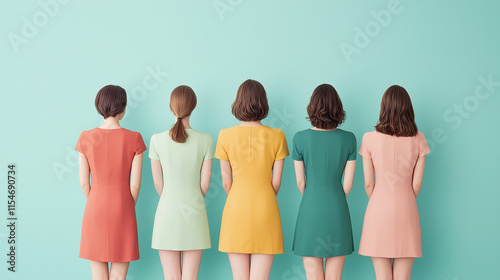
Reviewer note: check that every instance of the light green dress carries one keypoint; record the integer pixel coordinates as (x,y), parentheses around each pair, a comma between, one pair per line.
(181,217)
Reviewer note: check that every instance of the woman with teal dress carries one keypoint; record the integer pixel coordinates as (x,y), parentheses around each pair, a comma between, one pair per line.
(325,160)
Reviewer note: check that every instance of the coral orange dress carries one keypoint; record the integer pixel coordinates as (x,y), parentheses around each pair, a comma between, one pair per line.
(109,228)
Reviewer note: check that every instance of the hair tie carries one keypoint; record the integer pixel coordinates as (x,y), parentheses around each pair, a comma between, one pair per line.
(179,118)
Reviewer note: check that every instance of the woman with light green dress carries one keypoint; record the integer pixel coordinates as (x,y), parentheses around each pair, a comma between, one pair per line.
(181,163)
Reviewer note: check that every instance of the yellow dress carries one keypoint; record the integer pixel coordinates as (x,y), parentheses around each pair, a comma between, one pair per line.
(251,221)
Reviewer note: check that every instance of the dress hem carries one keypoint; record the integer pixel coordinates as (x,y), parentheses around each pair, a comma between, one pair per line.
(251,252)
(389,256)
(179,249)
(327,256)
(108,260)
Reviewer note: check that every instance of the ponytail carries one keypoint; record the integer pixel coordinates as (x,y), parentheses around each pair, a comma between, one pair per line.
(182,103)
(178,132)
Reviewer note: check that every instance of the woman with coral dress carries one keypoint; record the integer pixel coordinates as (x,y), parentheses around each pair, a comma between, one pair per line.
(112,156)
(251,159)
(181,162)
(393,166)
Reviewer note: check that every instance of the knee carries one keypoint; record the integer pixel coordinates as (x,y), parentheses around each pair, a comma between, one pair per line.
(117,276)
(189,276)
(333,276)
(240,276)
(384,276)
(398,275)
(173,276)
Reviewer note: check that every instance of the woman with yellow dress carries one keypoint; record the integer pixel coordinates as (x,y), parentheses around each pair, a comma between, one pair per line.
(251,159)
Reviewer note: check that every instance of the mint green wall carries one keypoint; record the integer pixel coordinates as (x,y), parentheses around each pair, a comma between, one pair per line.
(56,57)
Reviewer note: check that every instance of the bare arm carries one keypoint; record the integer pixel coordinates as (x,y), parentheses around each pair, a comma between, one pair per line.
(157,175)
(300,175)
(227,175)
(369,178)
(84,171)
(135,177)
(418,175)
(206,173)
(276,177)
(349,169)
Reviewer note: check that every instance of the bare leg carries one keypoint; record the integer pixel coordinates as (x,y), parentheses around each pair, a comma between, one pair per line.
(171,263)
(383,268)
(314,268)
(191,264)
(402,268)
(240,265)
(260,266)
(99,270)
(334,267)
(118,271)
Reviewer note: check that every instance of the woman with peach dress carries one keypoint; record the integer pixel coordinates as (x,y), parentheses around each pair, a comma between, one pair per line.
(393,165)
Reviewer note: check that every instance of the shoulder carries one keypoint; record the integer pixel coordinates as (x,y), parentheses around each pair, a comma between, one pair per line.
(276,131)
(84,132)
(201,135)
(301,133)
(161,135)
(420,136)
(369,137)
(223,131)
(131,132)
(228,130)
(90,131)
(346,133)
(370,134)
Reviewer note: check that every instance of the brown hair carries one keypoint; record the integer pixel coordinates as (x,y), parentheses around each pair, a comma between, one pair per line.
(396,113)
(182,103)
(251,102)
(110,101)
(325,108)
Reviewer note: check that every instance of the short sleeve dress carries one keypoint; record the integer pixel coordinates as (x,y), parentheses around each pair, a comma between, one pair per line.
(181,221)
(109,228)
(251,222)
(323,226)
(391,227)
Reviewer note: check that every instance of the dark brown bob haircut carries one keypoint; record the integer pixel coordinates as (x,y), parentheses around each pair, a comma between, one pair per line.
(110,101)
(325,108)
(396,113)
(251,102)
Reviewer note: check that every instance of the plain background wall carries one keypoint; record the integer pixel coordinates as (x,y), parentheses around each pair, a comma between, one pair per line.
(57,55)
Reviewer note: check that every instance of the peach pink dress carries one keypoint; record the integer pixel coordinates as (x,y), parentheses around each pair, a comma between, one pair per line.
(391,228)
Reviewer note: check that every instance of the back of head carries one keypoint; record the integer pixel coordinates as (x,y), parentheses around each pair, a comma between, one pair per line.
(396,113)
(325,108)
(110,101)
(182,103)
(251,102)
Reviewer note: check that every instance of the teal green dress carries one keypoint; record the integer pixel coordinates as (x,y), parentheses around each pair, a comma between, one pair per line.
(323,226)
